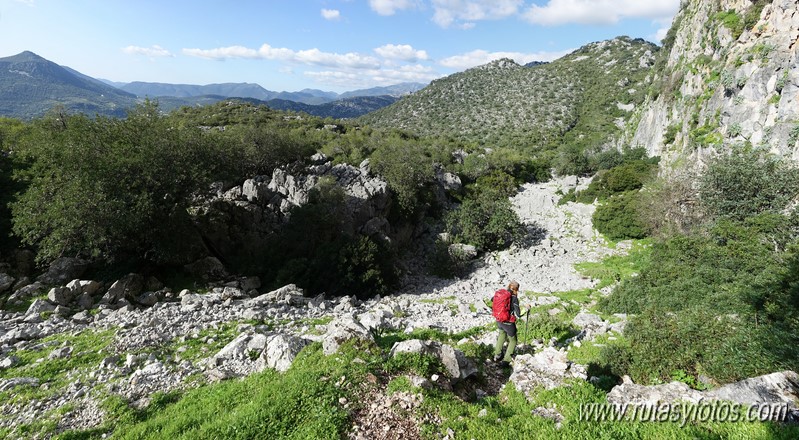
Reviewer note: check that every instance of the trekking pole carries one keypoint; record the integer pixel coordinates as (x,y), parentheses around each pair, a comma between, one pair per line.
(526,322)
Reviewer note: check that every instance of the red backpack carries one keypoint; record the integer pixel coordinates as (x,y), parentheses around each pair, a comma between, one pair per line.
(501,306)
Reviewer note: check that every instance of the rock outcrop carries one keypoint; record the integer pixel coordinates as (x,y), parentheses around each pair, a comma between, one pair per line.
(243,217)
(720,88)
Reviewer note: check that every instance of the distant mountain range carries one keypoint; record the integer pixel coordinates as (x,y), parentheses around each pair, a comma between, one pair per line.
(30,86)
(249,90)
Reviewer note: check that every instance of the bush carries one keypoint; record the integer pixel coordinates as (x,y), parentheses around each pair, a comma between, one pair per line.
(112,189)
(487,222)
(571,160)
(618,218)
(747,182)
(407,167)
(721,303)
(672,205)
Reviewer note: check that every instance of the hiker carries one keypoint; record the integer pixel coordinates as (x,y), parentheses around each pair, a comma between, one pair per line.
(505,308)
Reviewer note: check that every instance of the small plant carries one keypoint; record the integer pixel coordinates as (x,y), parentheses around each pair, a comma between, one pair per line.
(734,130)
(781,81)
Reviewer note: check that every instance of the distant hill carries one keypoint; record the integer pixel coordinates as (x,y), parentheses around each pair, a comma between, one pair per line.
(583,98)
(243,90)
(339,109)
(248,90)
(31,85)
(342,108)
(397,90)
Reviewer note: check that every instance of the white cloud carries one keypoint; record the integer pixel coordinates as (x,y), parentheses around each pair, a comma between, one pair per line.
(480,57)
(390,7)
(402,52)
(375,77)
(665,25)
(557,12)
(319,58)
(311,56)
(331,14)
(448,12)
(153,51)
(26,2)
(223,53)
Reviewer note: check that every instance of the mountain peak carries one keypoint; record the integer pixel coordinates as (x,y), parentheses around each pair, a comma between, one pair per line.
(502,63)
(23,57)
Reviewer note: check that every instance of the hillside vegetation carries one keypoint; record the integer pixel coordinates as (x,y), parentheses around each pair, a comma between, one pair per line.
(580,99)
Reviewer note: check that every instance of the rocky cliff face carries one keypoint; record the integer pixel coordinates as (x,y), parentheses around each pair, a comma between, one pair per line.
(731,76)
(239,220)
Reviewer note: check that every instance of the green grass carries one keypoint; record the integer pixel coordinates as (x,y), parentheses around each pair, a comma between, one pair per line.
(508,416)
(386,340)
(88,350)
(589,352)
(302,403)
(196,348)
(618,267)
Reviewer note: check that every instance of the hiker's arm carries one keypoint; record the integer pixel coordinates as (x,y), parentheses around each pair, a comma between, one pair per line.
(514,305)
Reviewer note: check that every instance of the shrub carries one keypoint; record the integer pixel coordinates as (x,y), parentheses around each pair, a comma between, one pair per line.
(672,205)
(747,182)
(487,222)
(721,303)
(618,217)
(571,159)
(407,167)
(671,134)
(112,189)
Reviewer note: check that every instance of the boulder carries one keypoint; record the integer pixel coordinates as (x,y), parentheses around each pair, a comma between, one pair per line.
(26,292)
(208,268)
(238,348)
(149,299)
(281,351)
(250,283)
(38,307)
(341,330)
(8,384)
(233,293)
(777,389)
(128,287)
(61,296)
(456,363)
(461,250)
(6,281)
(548,368)
(782,387)
(634,394)
(63,270)
(289,294)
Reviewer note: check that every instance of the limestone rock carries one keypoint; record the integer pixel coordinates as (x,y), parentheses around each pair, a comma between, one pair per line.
(548,368)
(458,366)
(342,330)
(208,268)
(281,351)
(782,387)
(6,281)
(128,287)
(63,270)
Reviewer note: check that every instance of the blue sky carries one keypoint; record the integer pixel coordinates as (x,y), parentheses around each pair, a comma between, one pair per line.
(333,45)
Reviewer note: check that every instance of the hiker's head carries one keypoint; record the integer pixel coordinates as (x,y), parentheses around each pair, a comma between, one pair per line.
(513,287)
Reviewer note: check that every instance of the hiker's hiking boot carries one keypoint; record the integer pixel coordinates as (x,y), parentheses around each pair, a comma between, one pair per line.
(504,364)
(497,358)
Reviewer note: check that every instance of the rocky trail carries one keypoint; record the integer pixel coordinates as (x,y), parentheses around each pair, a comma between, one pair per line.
(187,338)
